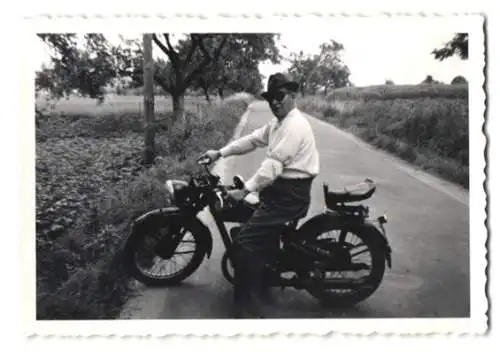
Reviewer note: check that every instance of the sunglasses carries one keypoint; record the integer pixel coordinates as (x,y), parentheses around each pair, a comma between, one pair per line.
(276,96)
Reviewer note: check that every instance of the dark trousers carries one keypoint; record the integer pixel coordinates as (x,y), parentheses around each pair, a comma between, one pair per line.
(257,243)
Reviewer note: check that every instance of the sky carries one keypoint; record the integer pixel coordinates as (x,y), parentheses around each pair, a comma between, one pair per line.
(375,56)
(373,52)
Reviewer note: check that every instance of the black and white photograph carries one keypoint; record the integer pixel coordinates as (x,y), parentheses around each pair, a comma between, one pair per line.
(323,174)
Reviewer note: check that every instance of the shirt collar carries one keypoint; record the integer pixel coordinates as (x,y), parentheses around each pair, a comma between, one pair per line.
(290,113)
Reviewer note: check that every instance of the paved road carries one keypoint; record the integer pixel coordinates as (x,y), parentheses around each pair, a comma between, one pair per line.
(428,229)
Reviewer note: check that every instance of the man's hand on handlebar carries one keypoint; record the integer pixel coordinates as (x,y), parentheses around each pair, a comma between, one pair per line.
(209,157)
(238,194)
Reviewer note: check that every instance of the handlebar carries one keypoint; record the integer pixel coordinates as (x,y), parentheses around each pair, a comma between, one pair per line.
(214,182)
(204,163)
(212,179)
(238,183)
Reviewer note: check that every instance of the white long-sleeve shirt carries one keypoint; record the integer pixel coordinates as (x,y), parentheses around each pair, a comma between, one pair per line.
(291,150)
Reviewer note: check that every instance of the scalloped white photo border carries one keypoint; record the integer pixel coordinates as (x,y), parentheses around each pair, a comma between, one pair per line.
(279,22)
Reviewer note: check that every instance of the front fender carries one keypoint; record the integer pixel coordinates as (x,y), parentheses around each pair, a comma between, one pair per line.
(174,216)
(157,217)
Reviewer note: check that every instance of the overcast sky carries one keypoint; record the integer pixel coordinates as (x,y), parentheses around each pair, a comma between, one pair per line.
(374,52)
(373,57)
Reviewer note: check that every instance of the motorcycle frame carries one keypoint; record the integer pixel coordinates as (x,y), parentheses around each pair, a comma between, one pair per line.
(198,198)
(340,211)
(221,226)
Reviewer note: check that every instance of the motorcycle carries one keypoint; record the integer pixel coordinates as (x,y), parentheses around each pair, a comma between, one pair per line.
(306,256)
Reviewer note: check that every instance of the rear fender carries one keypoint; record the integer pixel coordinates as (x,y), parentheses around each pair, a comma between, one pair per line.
(327,221)
(379,234)
(174,216)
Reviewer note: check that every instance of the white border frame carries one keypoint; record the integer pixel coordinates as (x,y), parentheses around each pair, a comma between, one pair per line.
(317,327)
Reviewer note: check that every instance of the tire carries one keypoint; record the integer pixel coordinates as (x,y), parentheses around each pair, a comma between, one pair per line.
(372,241)
(133,243)
(226,265)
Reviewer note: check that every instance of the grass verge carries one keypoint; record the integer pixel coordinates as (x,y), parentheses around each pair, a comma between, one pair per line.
(90,185)
(429,132)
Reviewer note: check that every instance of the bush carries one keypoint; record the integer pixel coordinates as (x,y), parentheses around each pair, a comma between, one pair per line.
(330,111)
(90,185)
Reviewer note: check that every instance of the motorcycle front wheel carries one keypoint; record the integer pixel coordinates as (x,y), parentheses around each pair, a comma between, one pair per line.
(227,268)
(148,258)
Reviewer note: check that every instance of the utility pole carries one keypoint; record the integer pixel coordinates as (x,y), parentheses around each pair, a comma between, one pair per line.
(149,103)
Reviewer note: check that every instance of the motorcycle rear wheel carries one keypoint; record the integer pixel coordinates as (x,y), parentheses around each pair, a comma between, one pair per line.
(330,298)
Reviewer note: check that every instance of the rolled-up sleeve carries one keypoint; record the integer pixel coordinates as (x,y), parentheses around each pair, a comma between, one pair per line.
(276,159)
(258,138)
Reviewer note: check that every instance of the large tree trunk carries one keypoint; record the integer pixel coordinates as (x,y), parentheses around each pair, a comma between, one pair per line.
(178,103)
(149,105)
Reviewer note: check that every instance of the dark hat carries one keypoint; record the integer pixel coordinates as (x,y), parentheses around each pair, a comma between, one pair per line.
(277,81)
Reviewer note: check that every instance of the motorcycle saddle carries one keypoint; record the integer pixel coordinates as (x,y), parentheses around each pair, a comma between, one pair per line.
(354,193)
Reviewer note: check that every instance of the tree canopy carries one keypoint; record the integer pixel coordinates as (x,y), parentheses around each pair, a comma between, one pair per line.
(430,80)
(324,70)
(236,65)
(86,70)
(458,45)
(211,62)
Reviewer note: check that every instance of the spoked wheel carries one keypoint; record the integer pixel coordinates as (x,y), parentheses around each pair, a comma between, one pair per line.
(152,260)
(354,275)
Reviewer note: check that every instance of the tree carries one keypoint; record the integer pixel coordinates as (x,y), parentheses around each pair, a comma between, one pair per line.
(459,80)
(303,70)
(249,80)
(333,73)
(85,70)
(324,70)
(234,75)
(237,65)
(458,45)
(182,70)
(430,80)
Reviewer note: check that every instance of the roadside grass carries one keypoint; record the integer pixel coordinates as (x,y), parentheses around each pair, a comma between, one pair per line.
(113,105)
(429,130)
(389,91)
(89,186)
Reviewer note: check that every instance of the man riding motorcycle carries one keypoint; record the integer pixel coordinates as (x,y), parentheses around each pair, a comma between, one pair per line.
(283,180)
